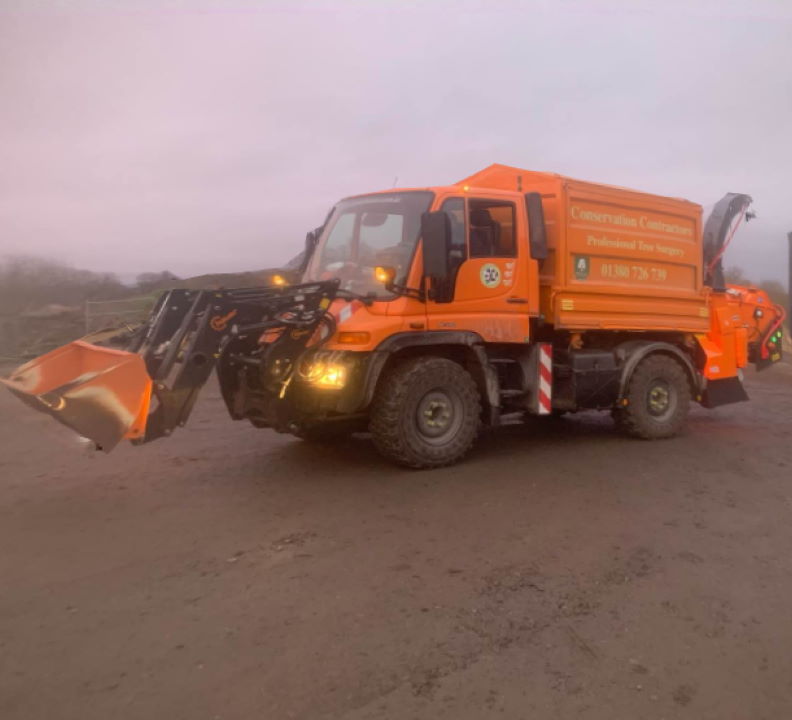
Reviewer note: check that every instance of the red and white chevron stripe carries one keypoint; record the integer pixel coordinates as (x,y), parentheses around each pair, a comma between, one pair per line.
(545,386)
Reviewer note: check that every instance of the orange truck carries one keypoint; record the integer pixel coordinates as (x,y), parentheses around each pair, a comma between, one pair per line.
(421,315)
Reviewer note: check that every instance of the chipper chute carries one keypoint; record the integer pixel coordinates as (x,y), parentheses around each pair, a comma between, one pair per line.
(101,393)
(147,389)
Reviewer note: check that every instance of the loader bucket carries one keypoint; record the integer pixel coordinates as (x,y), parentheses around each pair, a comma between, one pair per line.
(101,393)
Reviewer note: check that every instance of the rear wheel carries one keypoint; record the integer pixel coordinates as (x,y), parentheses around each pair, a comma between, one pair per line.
(658,399)
(426,413)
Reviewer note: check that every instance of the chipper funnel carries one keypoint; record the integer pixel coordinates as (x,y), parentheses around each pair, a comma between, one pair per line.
(102,394)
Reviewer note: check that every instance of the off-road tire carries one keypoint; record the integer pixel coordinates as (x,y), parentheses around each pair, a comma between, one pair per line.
(403,402)
(658,400)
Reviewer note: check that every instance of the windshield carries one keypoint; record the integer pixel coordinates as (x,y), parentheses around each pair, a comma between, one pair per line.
(365,232)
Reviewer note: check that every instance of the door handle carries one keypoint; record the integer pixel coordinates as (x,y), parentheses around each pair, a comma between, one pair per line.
(517,300)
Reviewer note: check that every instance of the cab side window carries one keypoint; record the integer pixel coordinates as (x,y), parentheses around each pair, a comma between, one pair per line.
(492,228)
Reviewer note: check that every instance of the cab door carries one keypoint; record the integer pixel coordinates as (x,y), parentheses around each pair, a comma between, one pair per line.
(489,291)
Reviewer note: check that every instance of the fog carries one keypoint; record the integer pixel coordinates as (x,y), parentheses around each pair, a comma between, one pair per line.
(208,137)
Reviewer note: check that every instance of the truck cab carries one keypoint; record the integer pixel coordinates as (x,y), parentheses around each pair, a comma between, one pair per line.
(489,281)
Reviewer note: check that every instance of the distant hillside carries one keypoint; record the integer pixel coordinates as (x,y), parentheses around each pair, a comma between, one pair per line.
(45,304)
(215,281)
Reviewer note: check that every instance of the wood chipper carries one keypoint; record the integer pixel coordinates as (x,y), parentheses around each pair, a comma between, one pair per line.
(420,315)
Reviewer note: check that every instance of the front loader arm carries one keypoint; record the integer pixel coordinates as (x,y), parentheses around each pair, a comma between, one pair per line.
(149,388)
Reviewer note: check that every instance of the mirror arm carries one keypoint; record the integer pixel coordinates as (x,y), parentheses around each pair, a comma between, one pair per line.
(402,291)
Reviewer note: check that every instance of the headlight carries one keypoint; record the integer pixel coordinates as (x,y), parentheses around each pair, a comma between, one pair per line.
(334,376)
(331,376)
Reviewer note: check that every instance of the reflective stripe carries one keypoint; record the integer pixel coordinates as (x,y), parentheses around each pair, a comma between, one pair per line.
(545,394)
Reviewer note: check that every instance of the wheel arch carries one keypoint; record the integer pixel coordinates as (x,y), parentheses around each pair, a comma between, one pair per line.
(632,352)
(463,347)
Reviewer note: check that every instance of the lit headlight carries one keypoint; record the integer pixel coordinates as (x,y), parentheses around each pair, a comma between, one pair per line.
(334,376)
(327,375)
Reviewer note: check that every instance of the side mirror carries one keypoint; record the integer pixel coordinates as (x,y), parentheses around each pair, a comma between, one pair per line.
(537,230)
(436,234)
(311,238)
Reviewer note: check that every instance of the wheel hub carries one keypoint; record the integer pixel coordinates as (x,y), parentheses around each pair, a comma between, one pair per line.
(437,415)
(659,399)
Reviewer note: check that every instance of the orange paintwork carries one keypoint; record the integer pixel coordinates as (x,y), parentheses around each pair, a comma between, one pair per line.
(378,321)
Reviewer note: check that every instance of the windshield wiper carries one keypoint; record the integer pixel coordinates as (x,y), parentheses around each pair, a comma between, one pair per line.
(368,299)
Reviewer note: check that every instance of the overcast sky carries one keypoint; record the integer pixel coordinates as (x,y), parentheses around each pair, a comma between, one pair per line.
(209,136)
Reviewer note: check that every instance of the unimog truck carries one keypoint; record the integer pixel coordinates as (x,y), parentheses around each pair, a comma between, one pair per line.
(422,315)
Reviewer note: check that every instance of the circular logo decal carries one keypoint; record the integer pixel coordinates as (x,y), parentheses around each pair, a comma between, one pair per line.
(490,275)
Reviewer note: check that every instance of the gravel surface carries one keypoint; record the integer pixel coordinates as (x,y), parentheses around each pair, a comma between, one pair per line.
(561,571)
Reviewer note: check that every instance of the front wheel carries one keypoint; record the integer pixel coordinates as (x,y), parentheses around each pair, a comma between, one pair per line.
(658,399)
(426,413)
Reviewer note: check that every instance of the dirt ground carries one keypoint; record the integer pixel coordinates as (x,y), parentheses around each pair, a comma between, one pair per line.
(560,572)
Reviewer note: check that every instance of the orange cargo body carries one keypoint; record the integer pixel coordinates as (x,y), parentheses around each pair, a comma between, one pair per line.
(618,259)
